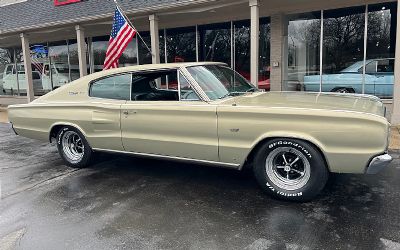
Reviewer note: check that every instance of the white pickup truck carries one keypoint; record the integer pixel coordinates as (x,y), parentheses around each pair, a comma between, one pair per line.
(60,74)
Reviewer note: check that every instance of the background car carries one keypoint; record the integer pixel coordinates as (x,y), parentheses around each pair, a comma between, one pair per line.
(379,78)
(11,78)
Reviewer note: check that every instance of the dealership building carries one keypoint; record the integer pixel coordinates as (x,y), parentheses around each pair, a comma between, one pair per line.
(303,45)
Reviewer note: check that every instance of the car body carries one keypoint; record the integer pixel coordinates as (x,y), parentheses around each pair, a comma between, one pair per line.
(61,74)
(379,79)
(127,110)
(10,79)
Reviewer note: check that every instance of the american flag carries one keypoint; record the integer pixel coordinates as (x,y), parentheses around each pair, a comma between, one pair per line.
(38,65)
(121,34)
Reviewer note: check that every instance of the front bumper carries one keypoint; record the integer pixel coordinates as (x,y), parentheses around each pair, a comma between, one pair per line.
(378,163)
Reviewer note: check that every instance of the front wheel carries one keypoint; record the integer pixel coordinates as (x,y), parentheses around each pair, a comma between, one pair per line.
(73,147)
(343,90)
(290,169)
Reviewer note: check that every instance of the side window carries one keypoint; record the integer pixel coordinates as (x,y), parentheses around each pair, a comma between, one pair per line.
(115,87)
(155,86)
(9,69)
(370,68)
(385,66)
(187,93)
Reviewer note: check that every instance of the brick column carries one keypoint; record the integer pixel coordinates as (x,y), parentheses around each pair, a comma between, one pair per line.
(279,33)
(396,86)
(155,39)
(26,51)
(80,37)
(254,40)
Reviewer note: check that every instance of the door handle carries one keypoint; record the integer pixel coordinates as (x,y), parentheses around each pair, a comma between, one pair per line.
(126,112)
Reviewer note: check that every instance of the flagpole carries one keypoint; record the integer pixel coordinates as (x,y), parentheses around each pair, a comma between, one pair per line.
(130,23)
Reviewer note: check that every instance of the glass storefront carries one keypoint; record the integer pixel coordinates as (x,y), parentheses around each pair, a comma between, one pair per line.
(242,48)
(181,45)
(11,82)
(343,49)
(265,58)
(144,53)
(381,43)
(215,43)
(352,61)
(303,52)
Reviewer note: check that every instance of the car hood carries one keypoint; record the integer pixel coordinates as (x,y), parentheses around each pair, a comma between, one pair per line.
(307,100)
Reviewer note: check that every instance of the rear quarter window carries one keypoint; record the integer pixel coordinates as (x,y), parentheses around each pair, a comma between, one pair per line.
(116,87)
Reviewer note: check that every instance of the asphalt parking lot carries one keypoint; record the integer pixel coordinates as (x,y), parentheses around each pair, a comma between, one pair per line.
(124,202)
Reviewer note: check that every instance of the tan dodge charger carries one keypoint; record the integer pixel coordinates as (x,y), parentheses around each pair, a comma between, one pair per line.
(207,113)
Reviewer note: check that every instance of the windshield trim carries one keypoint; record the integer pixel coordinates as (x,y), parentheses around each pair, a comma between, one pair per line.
(200,90)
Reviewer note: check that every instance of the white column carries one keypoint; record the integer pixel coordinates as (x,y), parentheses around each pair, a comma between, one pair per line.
(279,26)
(155,39)
(28,66)
(254,40)
(80,37)
(396,86)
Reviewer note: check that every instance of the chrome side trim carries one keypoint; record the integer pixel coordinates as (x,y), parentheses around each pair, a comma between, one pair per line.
(175,158)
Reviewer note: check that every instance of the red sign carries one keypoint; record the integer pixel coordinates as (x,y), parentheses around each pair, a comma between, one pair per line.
(64,2)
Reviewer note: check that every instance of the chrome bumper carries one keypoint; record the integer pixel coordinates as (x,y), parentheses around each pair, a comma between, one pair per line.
(378,163)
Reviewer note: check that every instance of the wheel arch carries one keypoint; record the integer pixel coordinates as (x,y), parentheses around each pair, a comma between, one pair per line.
(55,128)
(313,142)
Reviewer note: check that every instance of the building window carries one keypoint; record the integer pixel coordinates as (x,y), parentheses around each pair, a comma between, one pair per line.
(99,47)
(381,43)
(242,48)
(144,54)
(11,72)
(352,61)
(265,58)
(303,52)
(343,50)
(215,43)
(181,44)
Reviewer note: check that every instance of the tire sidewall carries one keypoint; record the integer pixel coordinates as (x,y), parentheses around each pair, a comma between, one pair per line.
(86,153)
(318,175)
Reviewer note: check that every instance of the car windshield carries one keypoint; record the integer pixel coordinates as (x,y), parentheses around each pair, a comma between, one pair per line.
(218,81)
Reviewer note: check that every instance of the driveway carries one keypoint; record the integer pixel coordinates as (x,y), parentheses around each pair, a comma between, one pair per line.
(124,202)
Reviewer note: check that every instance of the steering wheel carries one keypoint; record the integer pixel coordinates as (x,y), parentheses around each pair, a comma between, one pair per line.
(187,95)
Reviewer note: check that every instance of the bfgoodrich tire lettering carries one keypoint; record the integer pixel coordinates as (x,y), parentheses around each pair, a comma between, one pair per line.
(73,147)
(290,169)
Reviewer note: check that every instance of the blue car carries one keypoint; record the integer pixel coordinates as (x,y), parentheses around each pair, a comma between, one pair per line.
(379,79)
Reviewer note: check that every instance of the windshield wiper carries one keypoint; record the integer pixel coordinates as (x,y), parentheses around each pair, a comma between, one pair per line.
(227,94)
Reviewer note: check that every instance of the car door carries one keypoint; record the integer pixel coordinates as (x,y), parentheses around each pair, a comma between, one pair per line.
(384,78)
(167,122)
(104,111)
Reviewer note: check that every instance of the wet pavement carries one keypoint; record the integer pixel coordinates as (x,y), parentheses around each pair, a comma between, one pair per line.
(130,203)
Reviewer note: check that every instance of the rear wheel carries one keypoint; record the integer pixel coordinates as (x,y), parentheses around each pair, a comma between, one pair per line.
(343,90)
(290,169)
(73,147)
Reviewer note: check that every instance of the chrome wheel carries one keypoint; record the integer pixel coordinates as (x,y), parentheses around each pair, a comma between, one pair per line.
(72,146)
(288,168)
(342,90)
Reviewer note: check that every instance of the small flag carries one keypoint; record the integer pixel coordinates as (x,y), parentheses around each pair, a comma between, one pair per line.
(121,34)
